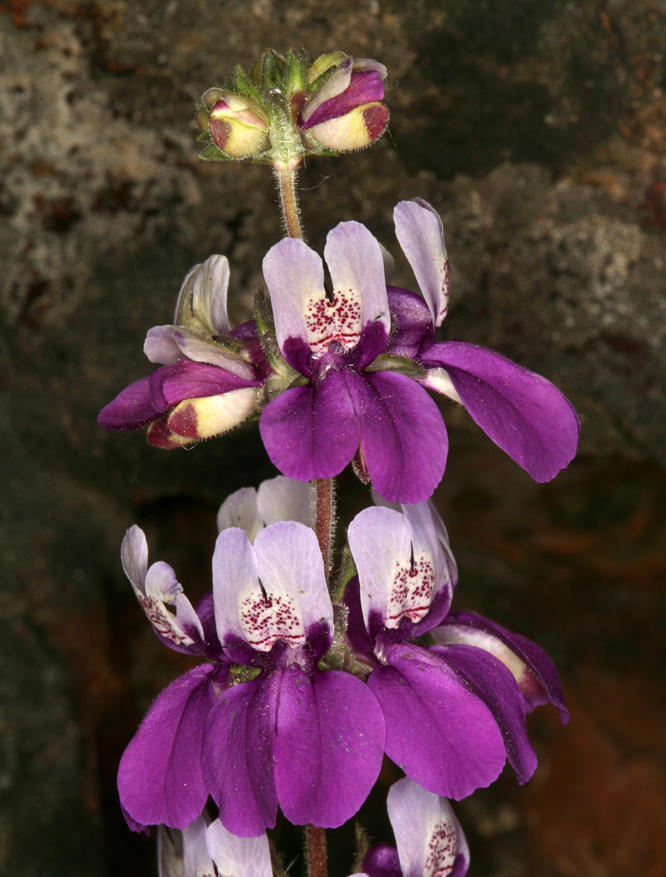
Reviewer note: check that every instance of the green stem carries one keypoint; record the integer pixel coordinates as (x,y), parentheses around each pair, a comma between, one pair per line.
(286,177)
(315,839)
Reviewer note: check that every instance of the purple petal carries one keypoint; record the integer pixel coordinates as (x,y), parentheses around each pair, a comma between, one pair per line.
(336,84)
(421,235)
(364,87)
(357,634)
(160,778)
(160,346)
(522,412)
(403,437)
(354,258)
(531,667)
(329,746)
(295,276)
(429,837)
(238,856)
(442,735)
(193,380)
(382,861)
(205,610)
(489,679)
(130,410)
(237,758)
(311,432)
(411,322)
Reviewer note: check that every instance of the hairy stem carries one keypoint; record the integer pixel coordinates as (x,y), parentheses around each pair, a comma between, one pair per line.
(315,840)
(286,178)
(325,518)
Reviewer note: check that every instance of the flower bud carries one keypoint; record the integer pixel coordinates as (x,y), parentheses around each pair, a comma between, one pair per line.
(345,112)
(237,125)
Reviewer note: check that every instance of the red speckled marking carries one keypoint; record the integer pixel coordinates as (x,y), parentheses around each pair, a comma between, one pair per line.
(446,290)
(442,850)
(338,320)
(411,592)
(265,620)
(163,621)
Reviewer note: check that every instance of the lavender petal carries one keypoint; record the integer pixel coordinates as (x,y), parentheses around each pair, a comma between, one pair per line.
(311,432)
(328,753)
(522,412)
(442,735)
(403,437)
(160,778)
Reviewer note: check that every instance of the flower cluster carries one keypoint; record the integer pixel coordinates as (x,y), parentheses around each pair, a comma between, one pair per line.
(343,378)
(288,108)
(307,681)
(267,722)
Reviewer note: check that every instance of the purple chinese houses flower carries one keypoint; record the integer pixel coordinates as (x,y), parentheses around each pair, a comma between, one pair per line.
(368,352)
(454,711)
(274,729)
(210,377)
(429,839)
(345,409)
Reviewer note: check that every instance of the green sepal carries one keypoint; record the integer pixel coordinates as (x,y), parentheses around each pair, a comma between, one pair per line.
(425,640)
(347,572)
(278,384)
(263,314)
(294,77)
(362,847)
(244,85)
(204,137)
(244,674)
(386,362)
(214,153)
(234,346)
(271,74)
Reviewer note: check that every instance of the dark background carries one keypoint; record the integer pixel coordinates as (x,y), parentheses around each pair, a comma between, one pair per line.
(537,128)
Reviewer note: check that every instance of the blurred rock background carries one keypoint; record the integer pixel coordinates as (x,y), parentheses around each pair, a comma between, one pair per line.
(538,129)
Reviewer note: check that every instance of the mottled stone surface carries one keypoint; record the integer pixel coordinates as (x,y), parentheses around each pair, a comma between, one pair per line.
(538,129)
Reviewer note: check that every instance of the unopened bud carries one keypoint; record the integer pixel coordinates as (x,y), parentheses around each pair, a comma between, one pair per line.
(345,112)
(237,125)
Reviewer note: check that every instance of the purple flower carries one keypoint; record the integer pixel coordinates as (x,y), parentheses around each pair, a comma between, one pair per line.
(429,839)
(454,711)
(346,111)
(210,378)
(308,739)
(202,850)
(160,778)
(522,412)
(346,408)
(274,729)
(364,353)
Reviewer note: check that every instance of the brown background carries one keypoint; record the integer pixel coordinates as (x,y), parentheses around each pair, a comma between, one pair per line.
(537,128)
